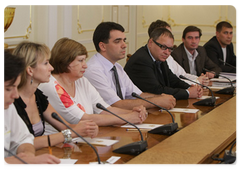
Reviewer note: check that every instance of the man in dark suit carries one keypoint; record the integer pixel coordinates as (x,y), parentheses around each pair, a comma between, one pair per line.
(220,47)
(148,69)
(192,57)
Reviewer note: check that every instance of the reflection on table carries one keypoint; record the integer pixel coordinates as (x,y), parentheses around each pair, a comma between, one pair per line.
(86,154)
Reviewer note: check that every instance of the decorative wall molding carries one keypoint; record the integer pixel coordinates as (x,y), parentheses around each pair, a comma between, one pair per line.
(79,26)
(172,22)
(14,40)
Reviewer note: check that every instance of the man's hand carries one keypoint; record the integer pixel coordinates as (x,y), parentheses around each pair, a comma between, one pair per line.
(195,91)
(143,114)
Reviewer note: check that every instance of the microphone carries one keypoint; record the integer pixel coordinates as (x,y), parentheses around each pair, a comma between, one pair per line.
(205,102)
(134,148)
(15,156)
(167,129)
(55,116)
(227,90)
(226,63)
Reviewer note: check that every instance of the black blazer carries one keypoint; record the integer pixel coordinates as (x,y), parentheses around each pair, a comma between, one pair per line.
(202,61)
(214,52)
(144,73)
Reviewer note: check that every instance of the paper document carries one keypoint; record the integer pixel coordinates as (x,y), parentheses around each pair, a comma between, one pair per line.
(222,79)
(205,97)
(96,141)
(68,161)
(218,87)
(184,110)
(142,126)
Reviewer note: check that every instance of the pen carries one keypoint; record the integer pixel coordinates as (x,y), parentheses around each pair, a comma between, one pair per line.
(49,146)
(136,129)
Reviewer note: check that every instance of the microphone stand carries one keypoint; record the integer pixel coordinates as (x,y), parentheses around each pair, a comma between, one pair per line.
(15,156)
(205,102)
(227,90)
(167,129)
(134,148)
(55,116)
(226,63)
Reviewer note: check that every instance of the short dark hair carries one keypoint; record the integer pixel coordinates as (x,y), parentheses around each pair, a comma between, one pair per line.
(191,28)
(222,24)
(160,31)
(102,32)
(157,24)
(13,67)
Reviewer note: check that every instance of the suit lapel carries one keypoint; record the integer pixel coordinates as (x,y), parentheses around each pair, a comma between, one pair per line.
(185,60)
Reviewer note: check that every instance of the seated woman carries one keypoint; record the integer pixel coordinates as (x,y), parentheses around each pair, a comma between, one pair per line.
(33,106)
(73,96)
(17,138)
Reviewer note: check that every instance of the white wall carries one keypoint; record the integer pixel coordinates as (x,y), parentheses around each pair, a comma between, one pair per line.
(50,23)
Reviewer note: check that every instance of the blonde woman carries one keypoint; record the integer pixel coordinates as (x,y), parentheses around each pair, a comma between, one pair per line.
(33,107)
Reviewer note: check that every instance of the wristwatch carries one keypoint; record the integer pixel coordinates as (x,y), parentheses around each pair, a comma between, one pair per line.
(67,135)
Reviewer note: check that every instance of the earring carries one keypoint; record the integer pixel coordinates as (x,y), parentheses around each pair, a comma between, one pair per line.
(31,80)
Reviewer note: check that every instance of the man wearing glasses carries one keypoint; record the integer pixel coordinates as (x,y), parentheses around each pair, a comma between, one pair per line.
(192,57)
(148,70)
(107,75)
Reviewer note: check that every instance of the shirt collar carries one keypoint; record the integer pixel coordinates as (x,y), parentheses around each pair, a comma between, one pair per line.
(150,54)
(194,56)
(105,62)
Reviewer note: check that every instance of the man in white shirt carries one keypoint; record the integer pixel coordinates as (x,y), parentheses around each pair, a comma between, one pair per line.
(17,139)
(109,40)
(173,65)
(193,57)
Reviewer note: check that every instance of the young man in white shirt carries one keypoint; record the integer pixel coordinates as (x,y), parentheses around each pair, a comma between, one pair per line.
(109,40)
(193,57)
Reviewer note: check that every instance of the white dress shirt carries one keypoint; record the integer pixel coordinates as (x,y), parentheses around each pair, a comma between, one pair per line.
(101,77)
(178,70)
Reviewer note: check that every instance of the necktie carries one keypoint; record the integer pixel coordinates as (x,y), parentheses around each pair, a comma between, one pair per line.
(118,88)
(158,65)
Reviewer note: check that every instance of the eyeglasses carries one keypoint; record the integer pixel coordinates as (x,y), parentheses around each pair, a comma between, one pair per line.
(163,47)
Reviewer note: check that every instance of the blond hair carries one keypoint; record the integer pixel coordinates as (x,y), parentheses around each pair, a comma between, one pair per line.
(32,53)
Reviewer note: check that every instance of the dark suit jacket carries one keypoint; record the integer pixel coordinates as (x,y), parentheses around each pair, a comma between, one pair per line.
(214,52)
(144,73)
(202,60)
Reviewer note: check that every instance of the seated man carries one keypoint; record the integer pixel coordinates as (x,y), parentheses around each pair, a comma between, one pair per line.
(17,139)
(192,57)
(109,78)
(173,65)
(220,48)
(148,69)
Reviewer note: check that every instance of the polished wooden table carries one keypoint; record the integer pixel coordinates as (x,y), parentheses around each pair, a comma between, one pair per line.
(209,131)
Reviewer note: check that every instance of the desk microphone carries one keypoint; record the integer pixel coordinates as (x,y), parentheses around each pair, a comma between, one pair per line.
(205,102)
(134,148)
(227,90)
(15,156)
(226,63)
(55,116)
(167,129)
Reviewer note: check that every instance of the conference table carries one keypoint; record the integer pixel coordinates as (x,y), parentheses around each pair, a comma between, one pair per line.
(201,135)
